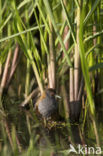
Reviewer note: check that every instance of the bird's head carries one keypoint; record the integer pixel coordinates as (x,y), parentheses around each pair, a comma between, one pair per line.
(52,93)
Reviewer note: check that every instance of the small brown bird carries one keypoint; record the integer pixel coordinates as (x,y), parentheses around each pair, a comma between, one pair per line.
(47,105)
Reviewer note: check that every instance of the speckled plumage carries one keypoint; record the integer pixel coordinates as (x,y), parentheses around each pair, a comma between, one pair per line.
(47,104)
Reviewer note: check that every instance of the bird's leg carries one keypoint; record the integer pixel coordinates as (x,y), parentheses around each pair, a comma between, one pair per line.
(45,122)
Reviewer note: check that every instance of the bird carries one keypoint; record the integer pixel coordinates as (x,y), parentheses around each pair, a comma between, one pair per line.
(47,105)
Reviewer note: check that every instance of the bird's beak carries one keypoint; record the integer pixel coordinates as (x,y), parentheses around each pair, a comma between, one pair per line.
(57,96)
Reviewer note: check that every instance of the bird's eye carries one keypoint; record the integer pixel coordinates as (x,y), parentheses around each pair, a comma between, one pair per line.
(52,94)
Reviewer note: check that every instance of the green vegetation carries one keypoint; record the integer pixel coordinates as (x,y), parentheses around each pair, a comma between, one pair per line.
(56,44)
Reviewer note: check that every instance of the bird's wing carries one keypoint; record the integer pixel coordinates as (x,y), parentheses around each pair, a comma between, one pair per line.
(46,107)
(39,100)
